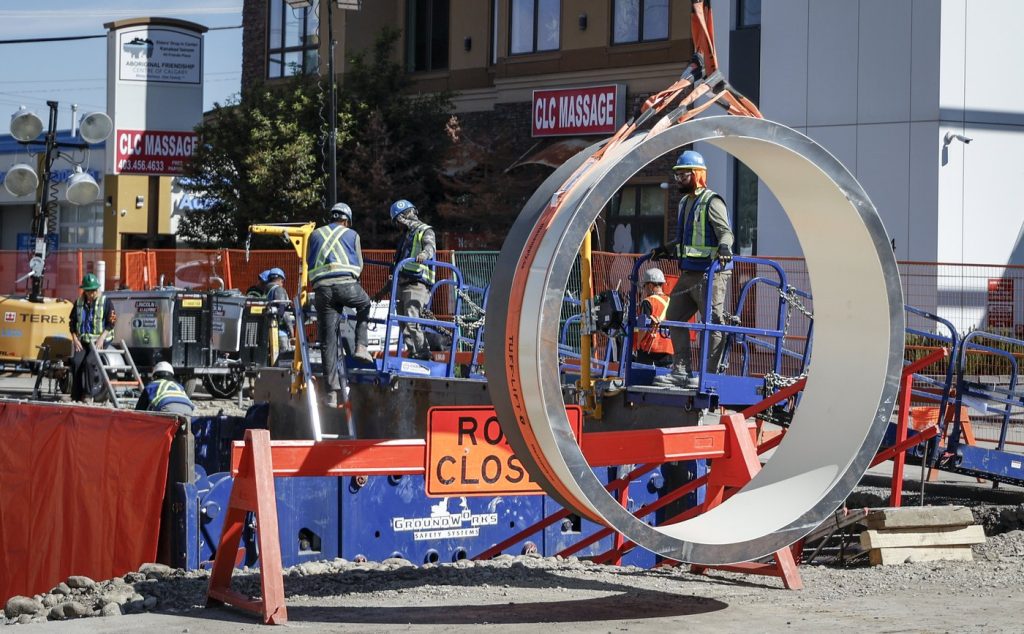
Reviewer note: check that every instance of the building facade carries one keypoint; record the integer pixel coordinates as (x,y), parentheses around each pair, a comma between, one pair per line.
(534,81)
(895,89)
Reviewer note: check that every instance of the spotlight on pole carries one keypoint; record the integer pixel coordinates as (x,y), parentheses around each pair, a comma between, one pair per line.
(82,188)
(25,125)
(95,127)
(21,180)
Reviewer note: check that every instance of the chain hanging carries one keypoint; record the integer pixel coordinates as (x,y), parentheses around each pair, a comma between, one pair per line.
(792,299)
(476,316)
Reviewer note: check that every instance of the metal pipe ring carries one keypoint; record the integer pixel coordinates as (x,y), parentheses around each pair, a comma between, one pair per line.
(858,341)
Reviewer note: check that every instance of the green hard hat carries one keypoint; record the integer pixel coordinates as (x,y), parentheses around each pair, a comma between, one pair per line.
(90,282)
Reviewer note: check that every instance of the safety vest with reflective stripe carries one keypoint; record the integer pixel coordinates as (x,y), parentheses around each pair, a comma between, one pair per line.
(412,248)
(653,341)
(163,392)
(96,322)
(336,254)
(697,240)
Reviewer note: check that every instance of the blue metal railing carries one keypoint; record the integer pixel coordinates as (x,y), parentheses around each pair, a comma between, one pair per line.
(704,328)
(392,361)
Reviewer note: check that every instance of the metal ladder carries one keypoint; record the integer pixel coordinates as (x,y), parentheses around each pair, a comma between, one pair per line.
(122,383)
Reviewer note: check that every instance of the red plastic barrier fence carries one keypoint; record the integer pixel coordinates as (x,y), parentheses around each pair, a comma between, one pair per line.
(80,493)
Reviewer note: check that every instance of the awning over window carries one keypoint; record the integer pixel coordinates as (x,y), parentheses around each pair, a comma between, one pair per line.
(551,152)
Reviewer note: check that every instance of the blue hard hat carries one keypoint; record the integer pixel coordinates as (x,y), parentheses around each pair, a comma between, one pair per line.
(399,207)
(690,160)
(275,272)
(264,275)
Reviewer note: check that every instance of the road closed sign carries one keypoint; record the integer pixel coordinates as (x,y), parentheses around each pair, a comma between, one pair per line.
(468,454)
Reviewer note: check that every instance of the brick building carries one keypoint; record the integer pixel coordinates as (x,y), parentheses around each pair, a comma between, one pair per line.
(534,82)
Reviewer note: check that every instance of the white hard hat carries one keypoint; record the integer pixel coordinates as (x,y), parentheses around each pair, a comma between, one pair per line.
(654,276)
(341,210)
(163,368)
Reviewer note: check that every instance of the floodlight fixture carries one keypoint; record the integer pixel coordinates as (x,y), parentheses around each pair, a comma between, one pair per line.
(95,127)
(25,125)
(21,180)
(82,188)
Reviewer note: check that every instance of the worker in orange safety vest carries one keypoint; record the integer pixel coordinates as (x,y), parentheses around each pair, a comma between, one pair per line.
(653,346)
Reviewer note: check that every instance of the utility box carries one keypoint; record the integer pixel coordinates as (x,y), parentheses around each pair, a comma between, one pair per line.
(163,325)
(256,329)
(226,309)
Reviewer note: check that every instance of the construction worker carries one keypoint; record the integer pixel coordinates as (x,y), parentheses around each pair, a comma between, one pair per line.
(415,278)
(259,289)
(652,346)
(335,261)
(92,318)
(703,235)
(277,295)
(164,394)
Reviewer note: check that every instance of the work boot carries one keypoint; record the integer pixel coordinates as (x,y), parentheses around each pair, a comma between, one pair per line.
(331,398)
(422,355)
(678,378)
(362,354)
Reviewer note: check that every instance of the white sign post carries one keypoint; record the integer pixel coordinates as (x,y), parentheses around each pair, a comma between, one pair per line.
(154,94)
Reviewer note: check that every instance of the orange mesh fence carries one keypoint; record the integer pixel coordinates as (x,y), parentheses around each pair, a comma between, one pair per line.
(63,274)
(972,296)
(138,270)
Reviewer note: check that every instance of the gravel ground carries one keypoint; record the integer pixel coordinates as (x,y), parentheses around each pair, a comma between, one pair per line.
(529,593)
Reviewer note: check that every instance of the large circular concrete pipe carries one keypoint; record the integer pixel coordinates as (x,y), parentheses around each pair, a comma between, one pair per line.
(858,341)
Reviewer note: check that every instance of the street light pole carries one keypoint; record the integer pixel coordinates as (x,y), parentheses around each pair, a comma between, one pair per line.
(42,216)
(332,193)
(82,188)
(332,139)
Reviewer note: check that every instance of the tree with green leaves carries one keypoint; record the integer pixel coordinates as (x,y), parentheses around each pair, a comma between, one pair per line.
(262,159)
(398,142)
(258,160)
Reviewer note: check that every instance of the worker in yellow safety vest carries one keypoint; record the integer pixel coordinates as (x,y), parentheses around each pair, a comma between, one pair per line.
(703,236)
(164,394)
(91,320)
(415,278)
(652,345)
(335,262)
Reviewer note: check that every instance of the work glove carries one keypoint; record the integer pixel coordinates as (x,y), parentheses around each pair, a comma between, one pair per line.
(421,257)
(724,254)
(660,253)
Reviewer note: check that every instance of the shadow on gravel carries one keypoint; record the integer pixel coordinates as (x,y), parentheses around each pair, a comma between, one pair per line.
(618,601)
(637,606)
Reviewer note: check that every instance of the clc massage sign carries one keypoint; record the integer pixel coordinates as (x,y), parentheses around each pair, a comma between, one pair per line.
(578,111)
(153,151)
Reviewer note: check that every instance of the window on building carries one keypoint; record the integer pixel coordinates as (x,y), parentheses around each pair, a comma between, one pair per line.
(292,41)
(745,210)
(636,219)
(426,37)
(535,26)
(80,226)
(748,13)
(639,21)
